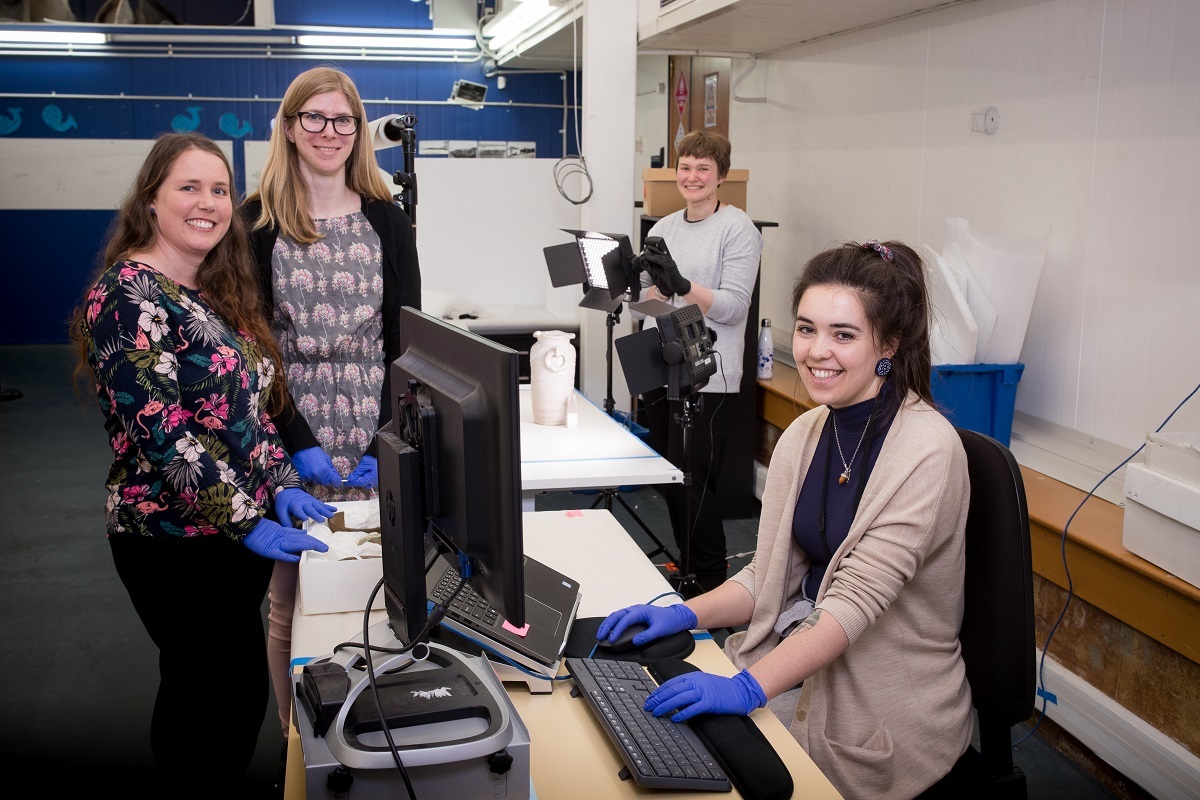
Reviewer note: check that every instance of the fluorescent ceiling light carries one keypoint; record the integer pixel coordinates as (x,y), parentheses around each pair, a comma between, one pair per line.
(170,37)
(387,42)
(53,37)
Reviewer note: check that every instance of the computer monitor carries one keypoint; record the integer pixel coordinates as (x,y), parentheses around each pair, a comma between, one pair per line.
(450,470)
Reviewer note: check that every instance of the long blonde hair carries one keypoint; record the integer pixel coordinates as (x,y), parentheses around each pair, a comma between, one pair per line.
(282,190)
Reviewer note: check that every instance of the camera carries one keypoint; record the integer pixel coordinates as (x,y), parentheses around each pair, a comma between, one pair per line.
(654,246)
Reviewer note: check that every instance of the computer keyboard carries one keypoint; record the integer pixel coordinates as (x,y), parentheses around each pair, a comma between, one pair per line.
(658,753)
(468,605)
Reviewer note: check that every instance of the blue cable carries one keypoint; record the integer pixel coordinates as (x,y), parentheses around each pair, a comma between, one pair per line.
(1070,584)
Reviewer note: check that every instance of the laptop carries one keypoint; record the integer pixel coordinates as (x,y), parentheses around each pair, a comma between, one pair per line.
(551,603)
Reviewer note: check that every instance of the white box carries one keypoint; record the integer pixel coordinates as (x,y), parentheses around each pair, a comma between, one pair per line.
(1176,455)
(1162,521)
(328,586)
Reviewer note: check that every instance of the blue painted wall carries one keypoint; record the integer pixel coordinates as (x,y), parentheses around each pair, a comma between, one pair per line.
(34,311)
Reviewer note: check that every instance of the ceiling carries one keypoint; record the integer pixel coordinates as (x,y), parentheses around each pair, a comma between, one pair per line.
(742,28)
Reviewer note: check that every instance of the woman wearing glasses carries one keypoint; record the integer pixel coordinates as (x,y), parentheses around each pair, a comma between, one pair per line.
(337,259)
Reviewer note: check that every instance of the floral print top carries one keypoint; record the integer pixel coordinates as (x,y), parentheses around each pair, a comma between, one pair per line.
(184,398)
(328,322)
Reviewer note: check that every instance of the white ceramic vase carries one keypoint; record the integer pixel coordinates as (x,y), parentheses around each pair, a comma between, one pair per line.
(551,376)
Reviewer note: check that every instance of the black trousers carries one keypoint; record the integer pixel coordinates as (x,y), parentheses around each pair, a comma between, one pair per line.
(706,446)
(200,599)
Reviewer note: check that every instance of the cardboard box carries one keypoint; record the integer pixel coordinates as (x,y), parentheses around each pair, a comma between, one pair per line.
(1162,518)
(334,586)
(660,195)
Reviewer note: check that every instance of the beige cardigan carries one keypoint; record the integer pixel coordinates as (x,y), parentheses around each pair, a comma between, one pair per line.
(892,714)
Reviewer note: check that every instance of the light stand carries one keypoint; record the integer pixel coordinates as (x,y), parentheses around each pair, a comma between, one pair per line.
(678,353)
(605,264)
(607,494)
(683,578)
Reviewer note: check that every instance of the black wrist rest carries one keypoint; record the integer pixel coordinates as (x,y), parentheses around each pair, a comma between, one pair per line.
(742,750)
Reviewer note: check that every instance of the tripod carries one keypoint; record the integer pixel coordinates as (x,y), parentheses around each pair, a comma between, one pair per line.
(608,494)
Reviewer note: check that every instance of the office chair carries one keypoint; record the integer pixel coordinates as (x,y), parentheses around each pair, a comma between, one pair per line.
(997,631)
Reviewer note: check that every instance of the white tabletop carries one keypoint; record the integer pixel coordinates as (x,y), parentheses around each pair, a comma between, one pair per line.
(590,546)
(569,750)
(597,453)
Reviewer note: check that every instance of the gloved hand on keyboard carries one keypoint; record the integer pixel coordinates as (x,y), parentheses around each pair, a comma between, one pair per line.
(271,540)
(704,693)
(315,466)
(662,621)
(297,505)
(365,475)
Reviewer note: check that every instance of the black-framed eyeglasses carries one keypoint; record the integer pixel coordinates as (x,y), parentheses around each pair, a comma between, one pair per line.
(313,122)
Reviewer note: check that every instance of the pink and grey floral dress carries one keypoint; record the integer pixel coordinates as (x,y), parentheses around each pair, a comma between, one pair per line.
(328,297)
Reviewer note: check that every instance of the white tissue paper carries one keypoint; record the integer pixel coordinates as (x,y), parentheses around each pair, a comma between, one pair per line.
(1006,272)
(342,579)
(954,332)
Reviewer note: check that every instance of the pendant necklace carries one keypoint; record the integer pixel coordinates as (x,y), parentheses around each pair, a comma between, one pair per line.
(845,476)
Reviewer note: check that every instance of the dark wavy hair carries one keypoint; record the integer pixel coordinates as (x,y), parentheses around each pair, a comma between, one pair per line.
(894,298)
(227,276)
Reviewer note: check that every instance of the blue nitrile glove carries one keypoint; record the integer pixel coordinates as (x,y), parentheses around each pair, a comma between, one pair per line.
(297,505)
(704,693)
(271,540)
(665,271)
(365,475)
(315,466)
(662,621)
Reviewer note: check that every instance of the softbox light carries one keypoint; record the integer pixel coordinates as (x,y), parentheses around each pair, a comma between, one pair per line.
(677,353)
(602,262)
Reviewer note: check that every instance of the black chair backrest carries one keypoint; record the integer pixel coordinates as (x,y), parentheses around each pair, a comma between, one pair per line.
(998,626)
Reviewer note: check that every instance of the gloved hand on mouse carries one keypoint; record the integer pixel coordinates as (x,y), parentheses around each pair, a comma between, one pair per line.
(662,621)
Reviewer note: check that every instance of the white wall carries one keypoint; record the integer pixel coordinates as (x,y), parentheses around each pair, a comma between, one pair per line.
(867,135)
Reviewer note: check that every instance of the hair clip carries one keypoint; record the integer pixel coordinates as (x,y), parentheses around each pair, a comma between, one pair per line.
(883,250)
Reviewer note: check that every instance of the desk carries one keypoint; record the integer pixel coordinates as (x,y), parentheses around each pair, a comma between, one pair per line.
(598,453)
(570,755)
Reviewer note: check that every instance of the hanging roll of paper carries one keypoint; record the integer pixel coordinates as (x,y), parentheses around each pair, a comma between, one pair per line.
(382,133)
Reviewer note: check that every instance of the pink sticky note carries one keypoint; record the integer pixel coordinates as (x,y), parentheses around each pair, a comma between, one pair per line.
(574,512)
(521,631)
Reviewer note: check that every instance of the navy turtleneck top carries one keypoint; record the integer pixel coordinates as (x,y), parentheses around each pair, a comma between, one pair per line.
(825,508)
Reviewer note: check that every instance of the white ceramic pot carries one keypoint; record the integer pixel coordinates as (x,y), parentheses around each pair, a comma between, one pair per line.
(551,376)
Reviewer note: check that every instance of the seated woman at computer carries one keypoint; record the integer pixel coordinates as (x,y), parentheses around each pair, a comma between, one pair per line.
(856,586)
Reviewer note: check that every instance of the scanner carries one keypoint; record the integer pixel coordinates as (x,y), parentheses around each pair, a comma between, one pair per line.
(453,725)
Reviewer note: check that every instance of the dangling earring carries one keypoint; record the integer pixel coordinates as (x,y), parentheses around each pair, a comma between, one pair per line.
(884,367)
(153,213)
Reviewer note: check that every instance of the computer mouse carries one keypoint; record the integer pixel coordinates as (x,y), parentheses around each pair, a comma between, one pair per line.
(624,642)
